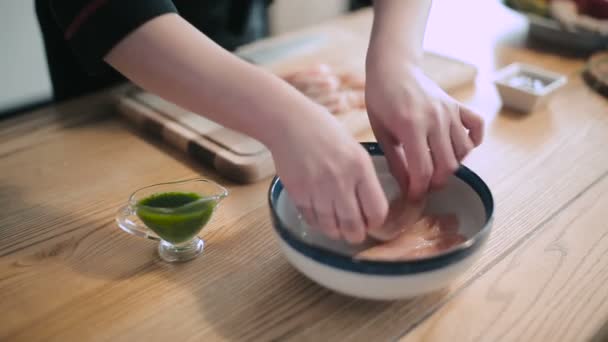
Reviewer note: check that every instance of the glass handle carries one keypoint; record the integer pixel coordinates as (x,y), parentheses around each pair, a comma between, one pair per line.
(126,223)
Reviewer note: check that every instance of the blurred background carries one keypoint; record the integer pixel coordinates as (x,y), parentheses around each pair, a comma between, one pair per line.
(23,68)
(580,26)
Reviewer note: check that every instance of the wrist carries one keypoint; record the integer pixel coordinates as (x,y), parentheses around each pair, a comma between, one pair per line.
(380,69)
(390,58)
(284,126)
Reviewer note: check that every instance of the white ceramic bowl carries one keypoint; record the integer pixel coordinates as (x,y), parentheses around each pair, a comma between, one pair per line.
(517,95)
(330,263)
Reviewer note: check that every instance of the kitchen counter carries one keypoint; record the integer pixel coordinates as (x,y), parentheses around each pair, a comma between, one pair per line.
(68,273)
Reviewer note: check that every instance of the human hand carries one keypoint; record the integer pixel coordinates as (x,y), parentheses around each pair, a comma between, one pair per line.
(423,131)
(329,177)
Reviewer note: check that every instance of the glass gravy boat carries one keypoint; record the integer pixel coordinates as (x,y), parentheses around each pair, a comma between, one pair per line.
(172,213)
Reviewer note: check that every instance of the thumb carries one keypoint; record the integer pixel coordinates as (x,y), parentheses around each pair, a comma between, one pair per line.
(474,123)
(397,163)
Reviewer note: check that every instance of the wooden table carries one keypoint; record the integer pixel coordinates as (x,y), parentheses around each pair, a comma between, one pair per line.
(67,273)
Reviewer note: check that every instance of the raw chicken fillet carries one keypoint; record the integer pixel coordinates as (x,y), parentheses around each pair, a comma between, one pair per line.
(430,235)
(338,92)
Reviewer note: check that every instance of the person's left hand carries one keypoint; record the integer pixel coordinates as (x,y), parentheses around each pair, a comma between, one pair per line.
(423,132)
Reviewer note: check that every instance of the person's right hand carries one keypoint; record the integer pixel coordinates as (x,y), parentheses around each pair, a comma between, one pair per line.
(329,177)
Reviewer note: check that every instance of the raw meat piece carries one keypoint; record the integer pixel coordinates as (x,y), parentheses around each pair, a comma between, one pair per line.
(402,214)
(338,93)
(353,80)
(429,236)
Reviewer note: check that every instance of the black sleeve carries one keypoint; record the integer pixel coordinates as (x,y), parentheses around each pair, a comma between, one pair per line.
(93,27)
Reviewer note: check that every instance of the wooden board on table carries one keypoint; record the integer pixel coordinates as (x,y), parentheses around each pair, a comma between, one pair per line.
(234,155)
(241,158)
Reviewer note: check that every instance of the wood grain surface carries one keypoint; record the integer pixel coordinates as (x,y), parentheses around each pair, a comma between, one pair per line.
(549,288)
(67,273)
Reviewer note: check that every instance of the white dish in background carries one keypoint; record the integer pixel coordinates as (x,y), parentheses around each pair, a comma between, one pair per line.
(526,88)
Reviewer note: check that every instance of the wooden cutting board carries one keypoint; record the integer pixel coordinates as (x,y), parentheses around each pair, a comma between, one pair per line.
(241,158)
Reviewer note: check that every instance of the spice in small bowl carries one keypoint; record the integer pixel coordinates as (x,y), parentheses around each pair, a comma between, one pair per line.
(526,88)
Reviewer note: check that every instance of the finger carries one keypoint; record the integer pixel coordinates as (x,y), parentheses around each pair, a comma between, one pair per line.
(309,216)
(419,163)
(442,153)
(350,218)
(325,215)
(395,156)
(372,202)
(461,142)
(397,164)
(474,123)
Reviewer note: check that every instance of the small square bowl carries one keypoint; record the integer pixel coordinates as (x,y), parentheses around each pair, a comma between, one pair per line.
(525,88)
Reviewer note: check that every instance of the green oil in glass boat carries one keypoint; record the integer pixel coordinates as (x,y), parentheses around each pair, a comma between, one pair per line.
(176,217)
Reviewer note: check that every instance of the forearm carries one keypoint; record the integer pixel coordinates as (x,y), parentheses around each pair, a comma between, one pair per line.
(169,57)
(398,29)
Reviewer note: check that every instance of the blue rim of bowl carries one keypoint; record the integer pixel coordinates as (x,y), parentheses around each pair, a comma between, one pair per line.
(347,263)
